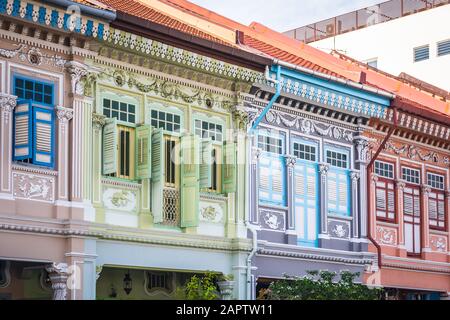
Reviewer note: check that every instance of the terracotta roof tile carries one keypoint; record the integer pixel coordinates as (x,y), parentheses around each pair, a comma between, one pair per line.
(140,10)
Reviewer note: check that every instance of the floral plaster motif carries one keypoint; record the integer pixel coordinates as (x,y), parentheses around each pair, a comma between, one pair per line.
(119,199)
(438,243)
(34,187)
(387,236)
(211,212)
(339,229)
(273,220)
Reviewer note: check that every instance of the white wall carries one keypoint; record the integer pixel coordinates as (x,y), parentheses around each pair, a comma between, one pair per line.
(392,43)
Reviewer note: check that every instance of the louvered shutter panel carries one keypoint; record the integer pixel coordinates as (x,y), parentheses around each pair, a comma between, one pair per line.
(143,152)
(264,173)
(43,134)
(22,130)
(190,184)
(343,193)
(332,191)
(229,168)
(206,163)
(157,167)
(391,201)
(110,147)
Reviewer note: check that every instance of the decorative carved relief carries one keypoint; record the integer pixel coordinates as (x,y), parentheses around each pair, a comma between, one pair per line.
(98,121)
(339,229)
(438,243)
(116,199)
(414,153)
(77,72)
(34,187)
(7,105)
(273,220)
(323,169)
(58,274)
(33,56)
(64,114)
(387,235)
(211,212)
(308,126)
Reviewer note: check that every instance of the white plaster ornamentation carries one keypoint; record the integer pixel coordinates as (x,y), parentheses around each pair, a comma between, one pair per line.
(123,200)
(339,231)
(308,126)
(387,236)
(210,212)
(77,72)
(64,114)
(58,274)
(272,221)
(34,187)
(7,105)
(438,243)
(8,53)
(98,121)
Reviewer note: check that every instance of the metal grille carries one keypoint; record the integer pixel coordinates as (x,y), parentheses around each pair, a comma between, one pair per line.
(171,206)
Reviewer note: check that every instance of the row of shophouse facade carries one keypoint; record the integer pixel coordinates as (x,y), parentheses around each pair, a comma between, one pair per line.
(139,148)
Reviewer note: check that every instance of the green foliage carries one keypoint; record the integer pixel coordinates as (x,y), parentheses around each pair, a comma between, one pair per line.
(200,288)
(321,286)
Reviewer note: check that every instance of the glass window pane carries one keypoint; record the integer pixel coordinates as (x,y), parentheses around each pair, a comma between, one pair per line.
(115,105)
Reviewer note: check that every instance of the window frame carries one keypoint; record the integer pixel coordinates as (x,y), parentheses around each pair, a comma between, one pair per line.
(412,169)
(176,174)
(339,170)
(306,143)
(216,121)
(386,180)
(438,192)
(167,109)
(40,80)
(281,136)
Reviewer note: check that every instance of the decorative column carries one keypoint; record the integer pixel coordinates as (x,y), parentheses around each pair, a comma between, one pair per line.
(400,186)
(323,171)
(362,153)
(58,274)
(254,184)
(290,230)
(81,146)
(425,222)
(98,121)
(354,177)
(64,115)
(7,105)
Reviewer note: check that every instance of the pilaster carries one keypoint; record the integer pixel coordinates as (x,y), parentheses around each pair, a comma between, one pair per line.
(354,177)
(7,105)
(253,185)
(64,116)
(400,186)
(323,172)
(425,222)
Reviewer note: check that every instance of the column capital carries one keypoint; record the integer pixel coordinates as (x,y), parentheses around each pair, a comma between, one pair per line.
(256,153)
(362,147)
(290,161)
(77,71)
(7,102)
(425,190)
(374,178)
(354,175)
(64,114)
(323,168)
(400,184)
(58,274)
(98,121)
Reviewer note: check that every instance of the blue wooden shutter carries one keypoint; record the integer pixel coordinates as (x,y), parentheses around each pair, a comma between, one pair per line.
(306,204)
(271,179)
(22,149)
(43,134)
(339,192)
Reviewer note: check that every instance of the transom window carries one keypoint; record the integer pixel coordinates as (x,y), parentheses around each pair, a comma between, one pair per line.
(411,175)
(205,130)
(305,151)
(120,110)
(435,181)
(166,121)
(33,90)
(270,144)
(384,169)
(337,159)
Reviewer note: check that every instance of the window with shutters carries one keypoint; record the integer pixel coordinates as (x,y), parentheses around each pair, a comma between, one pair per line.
(210,167)
(170,167)
(272,169)
(126,147)
(34,122)
(338,179)
(385,191)
(411,175)
(436,201)
(306,191)
(411,219)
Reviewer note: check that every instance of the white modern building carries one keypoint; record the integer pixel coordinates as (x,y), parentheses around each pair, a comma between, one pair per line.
(397,36)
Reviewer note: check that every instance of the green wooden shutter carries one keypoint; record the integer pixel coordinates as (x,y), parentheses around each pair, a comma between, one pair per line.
(110,146)
(206,163)
(190,176)
(22,130)
(157,168)
(143,152)
(229,168)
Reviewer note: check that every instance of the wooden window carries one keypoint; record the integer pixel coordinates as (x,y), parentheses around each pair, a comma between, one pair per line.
(122,111)
(205,130)
(166,121)
(411,219)
(270,144)
(305,151)
(338,179)
(436,201)
(385,191)
(34,123)
(411,175)
(170,167)
(337,159)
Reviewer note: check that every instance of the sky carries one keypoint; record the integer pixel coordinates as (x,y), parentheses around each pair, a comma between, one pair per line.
(283,15)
